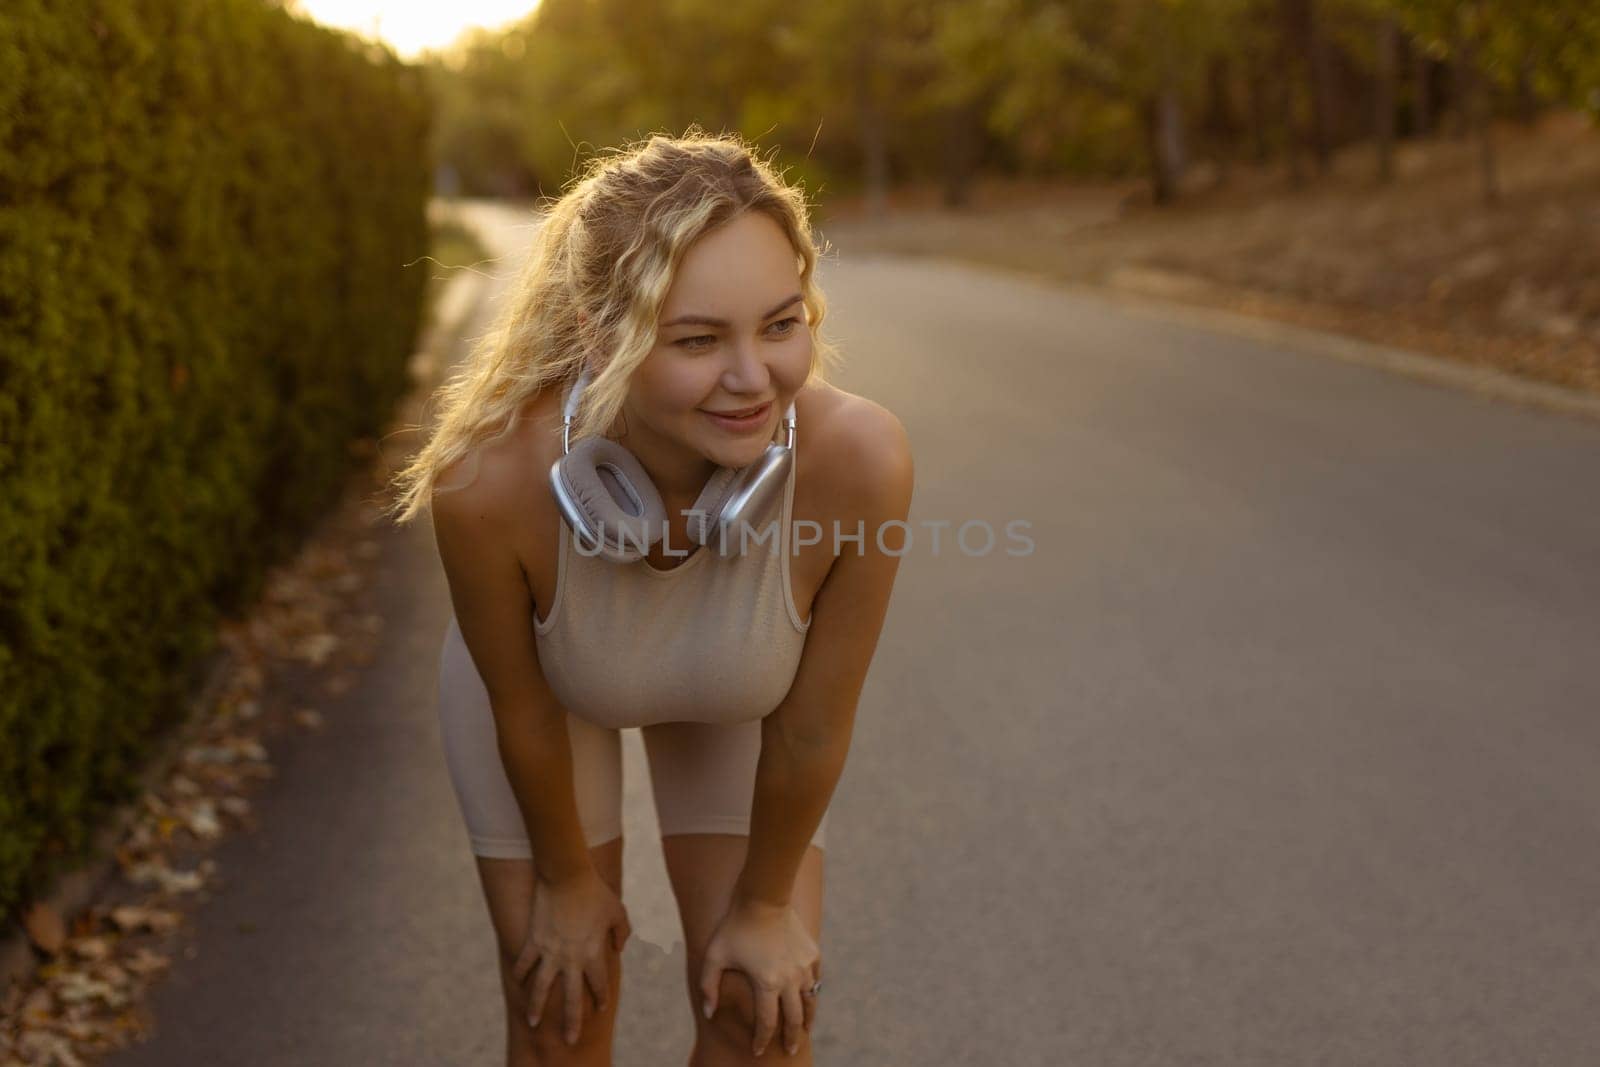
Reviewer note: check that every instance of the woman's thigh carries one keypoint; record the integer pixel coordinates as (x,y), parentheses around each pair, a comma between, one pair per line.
(703,777)
(703,869)
(488,807)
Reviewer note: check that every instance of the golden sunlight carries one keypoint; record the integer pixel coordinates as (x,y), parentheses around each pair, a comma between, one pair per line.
(412,27)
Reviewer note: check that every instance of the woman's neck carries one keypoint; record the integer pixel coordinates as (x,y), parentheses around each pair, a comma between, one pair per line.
(678,473)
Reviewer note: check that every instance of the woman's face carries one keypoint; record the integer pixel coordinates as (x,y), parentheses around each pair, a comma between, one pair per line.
(750,347)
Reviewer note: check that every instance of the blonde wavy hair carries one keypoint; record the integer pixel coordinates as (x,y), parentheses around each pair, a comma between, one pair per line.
(592,288)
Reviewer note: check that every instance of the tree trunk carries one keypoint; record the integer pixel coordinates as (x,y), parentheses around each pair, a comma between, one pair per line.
(1319,63)
(963,125)
(1383,97)
(874,136)
(875,160)
(1527,99)
(1164,141)
(1480,118)
(1460,89)
(1288,113)
(1421,91)
(1260,111)
(1221,124)
(1310,63)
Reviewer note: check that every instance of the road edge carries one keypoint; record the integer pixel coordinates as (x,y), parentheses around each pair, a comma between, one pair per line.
(1484,381)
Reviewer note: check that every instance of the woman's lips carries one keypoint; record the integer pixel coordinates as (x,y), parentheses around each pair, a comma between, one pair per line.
(752,421)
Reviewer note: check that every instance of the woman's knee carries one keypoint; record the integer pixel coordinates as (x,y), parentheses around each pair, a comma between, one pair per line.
(548,1040)
(732,1029)
(736,1005)
(509,886)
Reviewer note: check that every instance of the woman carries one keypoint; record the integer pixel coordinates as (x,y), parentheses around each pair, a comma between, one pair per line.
(676,278)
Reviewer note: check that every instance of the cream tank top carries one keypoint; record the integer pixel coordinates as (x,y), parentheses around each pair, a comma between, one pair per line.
(716,639)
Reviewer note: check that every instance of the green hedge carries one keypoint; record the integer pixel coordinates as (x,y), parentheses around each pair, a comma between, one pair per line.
(207,212)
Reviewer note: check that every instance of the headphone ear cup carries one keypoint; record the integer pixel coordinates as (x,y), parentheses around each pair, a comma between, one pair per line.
(613,497)
(707,512)
(758,485)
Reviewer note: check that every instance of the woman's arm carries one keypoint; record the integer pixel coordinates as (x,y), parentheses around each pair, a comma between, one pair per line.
(495,613)
(805,740)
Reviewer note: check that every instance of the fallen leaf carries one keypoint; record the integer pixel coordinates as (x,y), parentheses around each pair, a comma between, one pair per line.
(237,806)
(318,647)
(39,1006)
(76,987)
(144,961)
(156,873)
(45,927)
(47,1050)
(91,948)
(202,820)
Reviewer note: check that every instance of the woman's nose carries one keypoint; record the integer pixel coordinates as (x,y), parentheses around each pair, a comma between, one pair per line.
(747,372)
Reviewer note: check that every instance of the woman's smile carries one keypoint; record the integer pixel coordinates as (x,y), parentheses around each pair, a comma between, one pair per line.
(752,419)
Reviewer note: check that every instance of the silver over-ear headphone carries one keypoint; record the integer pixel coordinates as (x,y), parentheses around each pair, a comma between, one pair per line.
(608,500)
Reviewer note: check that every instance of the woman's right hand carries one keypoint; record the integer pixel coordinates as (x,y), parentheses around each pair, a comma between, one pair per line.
(573,925)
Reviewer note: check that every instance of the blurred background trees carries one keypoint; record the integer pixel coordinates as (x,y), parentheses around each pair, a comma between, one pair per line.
(863,94)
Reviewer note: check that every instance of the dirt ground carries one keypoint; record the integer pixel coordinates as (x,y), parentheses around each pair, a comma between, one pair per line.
(1423,263)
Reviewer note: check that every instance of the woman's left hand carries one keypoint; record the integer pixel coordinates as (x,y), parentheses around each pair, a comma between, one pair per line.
(772,946)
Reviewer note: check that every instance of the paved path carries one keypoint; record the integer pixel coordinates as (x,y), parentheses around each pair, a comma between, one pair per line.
(1279,748)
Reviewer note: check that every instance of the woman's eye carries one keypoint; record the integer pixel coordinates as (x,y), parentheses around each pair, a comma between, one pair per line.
(701,342)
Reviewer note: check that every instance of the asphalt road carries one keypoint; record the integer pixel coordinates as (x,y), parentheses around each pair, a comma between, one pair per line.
(1279,747)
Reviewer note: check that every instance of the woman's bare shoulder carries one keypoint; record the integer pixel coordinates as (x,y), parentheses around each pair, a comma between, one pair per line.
(505,478)
(860,447)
